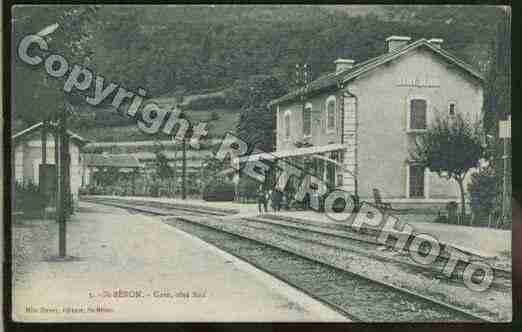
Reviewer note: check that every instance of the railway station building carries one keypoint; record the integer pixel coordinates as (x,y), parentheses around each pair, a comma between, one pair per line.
(354,127)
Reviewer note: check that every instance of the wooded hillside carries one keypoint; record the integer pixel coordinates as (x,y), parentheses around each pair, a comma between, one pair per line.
(200,49)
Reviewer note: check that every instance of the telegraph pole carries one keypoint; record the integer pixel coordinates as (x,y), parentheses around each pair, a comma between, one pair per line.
(56,134)
(184,169)
(62,185)
(184,156)
(42,179)
(44,143)
(184,153)
(61,148)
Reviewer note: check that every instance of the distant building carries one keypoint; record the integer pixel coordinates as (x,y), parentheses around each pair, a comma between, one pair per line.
(195,160)
(127,155)
(353,128)
(92,163)
(27,148)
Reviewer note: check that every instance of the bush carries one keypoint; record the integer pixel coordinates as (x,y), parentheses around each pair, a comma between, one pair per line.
(484,192)
(214,116)
(219,190)
(92,189)
(155,188)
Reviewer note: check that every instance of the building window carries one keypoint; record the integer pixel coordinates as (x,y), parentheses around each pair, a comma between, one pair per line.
(339,179)
(307,120)
(416,181)
(418,114)
(452,108)
(330,113)
(287,124)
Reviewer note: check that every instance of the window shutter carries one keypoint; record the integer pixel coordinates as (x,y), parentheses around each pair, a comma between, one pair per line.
(416,181)
(418,114)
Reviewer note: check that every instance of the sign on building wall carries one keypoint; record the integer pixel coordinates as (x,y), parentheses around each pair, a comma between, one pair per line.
(424,80)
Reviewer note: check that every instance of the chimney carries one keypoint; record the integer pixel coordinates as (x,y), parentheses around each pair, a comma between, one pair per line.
(395,42)
(437,42)
(343,64)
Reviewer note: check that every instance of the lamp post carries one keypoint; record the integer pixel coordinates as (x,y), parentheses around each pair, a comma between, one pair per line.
(183,151)
(202,183)
(62,183)
(184,169)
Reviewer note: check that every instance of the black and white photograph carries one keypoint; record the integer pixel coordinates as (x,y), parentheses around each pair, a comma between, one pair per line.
(259,163)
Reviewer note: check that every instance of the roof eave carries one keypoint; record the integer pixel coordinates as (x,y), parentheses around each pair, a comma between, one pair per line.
(287,98)
(374,64)
(458,62)
(36,126)
(419,43)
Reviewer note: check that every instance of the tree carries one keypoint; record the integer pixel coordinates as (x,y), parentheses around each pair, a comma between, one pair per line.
(163,170)
(214,116)
(450,147)
(201,47)
(211,167)
(36,95)
(497,102)
(256,122)
(108,176)
(484,191)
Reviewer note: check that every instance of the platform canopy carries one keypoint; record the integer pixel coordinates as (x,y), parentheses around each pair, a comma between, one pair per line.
(293,153)
(99,160)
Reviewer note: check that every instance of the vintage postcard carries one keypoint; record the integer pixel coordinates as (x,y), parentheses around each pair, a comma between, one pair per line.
(260,163)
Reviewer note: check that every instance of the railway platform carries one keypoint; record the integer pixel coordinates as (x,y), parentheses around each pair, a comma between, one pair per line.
(480,241)
(485,242)
(132,267)
(339,249)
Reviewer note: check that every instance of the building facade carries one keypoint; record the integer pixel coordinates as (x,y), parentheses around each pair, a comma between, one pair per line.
(374,110)
(138,160)
(27,156)
(91,163)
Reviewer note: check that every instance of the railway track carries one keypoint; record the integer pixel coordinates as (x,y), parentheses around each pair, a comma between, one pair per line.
(361,244)
(347,292)
(502,278)
(158,208)
(356,297)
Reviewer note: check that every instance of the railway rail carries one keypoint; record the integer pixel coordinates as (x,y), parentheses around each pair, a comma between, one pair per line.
(356,296)
(360,243)
(502,278)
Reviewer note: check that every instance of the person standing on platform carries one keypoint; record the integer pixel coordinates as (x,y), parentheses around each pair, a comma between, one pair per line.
(276,199)
(273,198)
(261,199)
(285,201)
